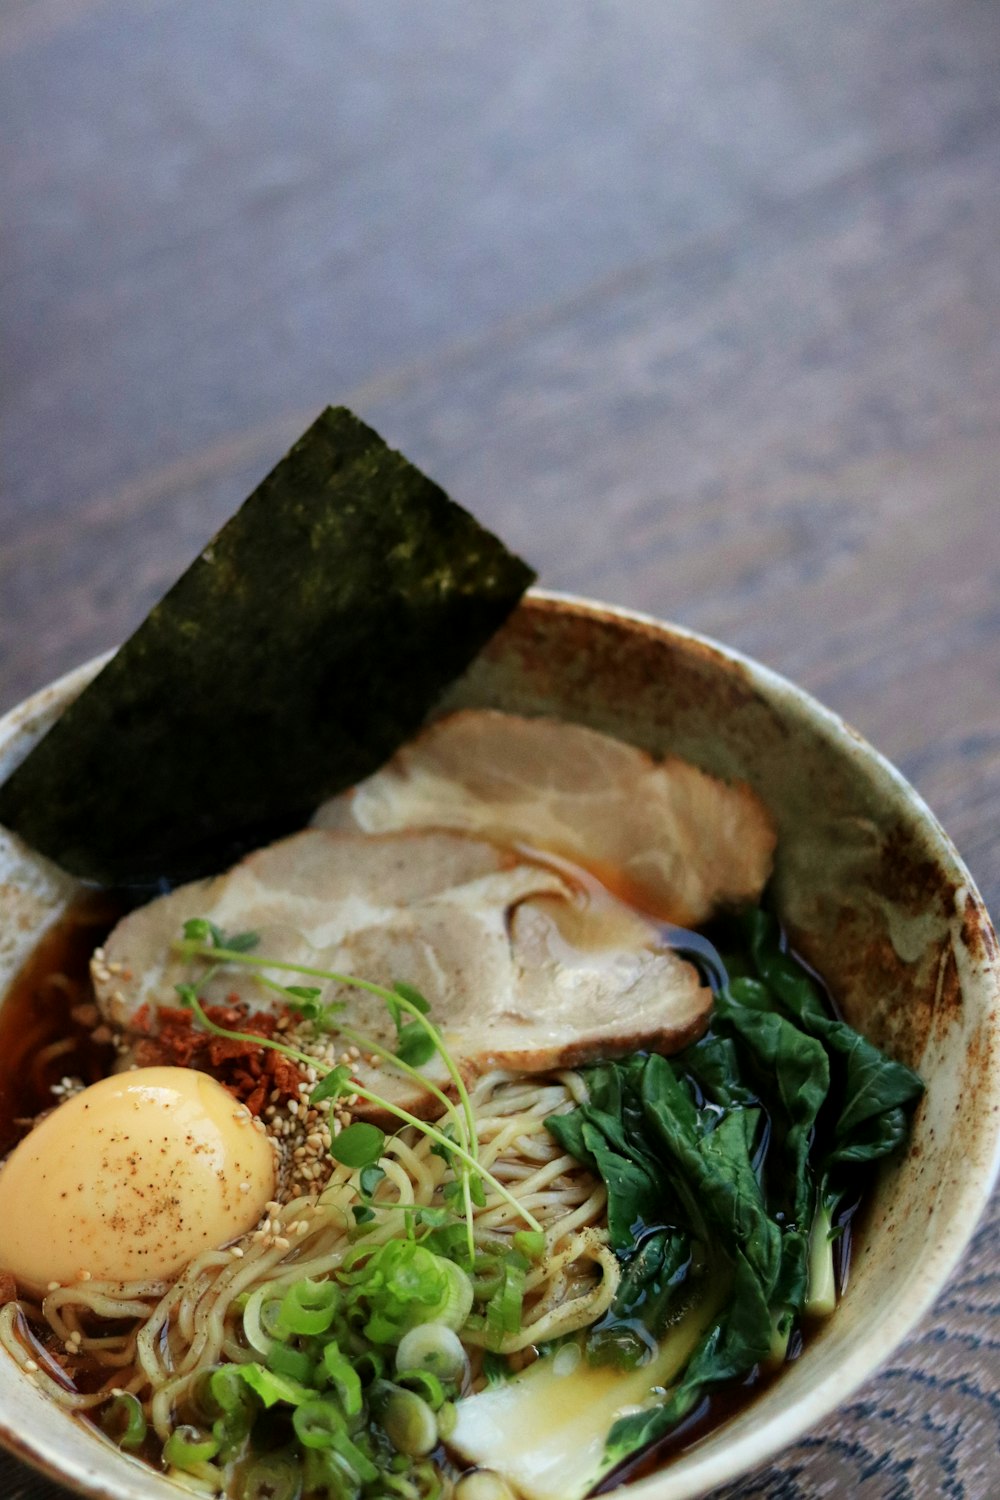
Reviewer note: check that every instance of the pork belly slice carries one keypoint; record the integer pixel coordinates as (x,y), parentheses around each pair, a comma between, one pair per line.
(303,895)
(523,969)
(677,842)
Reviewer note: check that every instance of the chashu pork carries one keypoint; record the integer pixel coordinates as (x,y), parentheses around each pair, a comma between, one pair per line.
(676,842)
(523,967)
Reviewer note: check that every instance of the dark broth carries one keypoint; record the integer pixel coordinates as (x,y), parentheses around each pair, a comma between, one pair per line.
(41,1039)
(45,1035)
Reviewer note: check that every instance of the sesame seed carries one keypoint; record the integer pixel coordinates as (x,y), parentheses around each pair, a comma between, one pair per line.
(53,1286)
(30,1366)
(244,1187)
(281,1243)
(235,1250)
(83,1276)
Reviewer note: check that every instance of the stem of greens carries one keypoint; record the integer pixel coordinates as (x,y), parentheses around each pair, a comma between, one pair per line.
(821,1298)
(367,1045)
(452,1147)
(466,1127)
(191,949)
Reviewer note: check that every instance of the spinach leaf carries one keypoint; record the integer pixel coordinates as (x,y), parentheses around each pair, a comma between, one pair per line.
(872,1089)
(729,1156)
(651,1284)
(737,1339)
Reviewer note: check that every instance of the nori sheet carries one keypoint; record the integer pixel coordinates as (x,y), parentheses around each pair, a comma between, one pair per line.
(308,640)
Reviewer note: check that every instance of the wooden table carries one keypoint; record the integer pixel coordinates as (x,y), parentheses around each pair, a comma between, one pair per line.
(697,304)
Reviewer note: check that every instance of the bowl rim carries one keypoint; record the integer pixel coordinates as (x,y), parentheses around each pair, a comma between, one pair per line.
(691,1474)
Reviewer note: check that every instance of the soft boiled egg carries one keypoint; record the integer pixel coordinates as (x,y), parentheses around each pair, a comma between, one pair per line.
(131,1179)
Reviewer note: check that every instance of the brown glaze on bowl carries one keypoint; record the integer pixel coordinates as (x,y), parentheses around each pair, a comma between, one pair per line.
(872,893)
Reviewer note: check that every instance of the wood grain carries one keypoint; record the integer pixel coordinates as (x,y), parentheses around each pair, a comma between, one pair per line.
(698,305)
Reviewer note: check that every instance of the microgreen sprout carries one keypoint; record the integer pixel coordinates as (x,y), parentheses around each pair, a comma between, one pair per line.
(361,1144)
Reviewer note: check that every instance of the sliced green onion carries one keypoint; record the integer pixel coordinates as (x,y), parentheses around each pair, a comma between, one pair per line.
(369,1366)
(186,1448)
(308,1307)
(428,1481)
(226,1389)
(344,1379)
(447,1417)
(503,1311)
(423,1384)
(530,1242)
(406,1419)
(284,1360)
(273,1388)
(328,1476)
(260,1319)
(460,1297)
(272,1476)
(124,1421)
(359,1461)
(483,1484)
(399,1486)
(317,1423)
(433,1347)
(404,1284)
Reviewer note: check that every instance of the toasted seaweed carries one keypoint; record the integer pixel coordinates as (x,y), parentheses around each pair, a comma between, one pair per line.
(307,641)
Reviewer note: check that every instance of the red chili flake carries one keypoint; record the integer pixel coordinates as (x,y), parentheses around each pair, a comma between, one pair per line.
(249,1071)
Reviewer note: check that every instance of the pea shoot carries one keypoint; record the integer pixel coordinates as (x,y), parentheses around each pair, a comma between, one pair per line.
(361,1144)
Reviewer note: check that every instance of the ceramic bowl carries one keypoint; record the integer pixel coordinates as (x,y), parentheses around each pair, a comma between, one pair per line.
(872,893)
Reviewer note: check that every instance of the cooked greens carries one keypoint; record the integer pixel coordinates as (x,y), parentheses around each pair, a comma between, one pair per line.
(307,642)
(725,1166)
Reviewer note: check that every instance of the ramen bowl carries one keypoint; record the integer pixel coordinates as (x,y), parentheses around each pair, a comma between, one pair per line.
(871,893)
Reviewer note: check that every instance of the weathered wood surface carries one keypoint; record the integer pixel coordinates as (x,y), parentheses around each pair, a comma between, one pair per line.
(697,304)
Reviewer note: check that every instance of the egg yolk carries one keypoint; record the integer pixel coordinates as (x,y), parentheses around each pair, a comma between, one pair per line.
(131,1179)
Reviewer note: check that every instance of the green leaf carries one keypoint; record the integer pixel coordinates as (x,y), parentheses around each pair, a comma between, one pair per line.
(199,930)
(334,1085)
(652,1284)
(416,1046)
(360,1145)
(342,599)
(370,1177)
(441,1150)
(304,1001)
(413,996)
(240,942)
